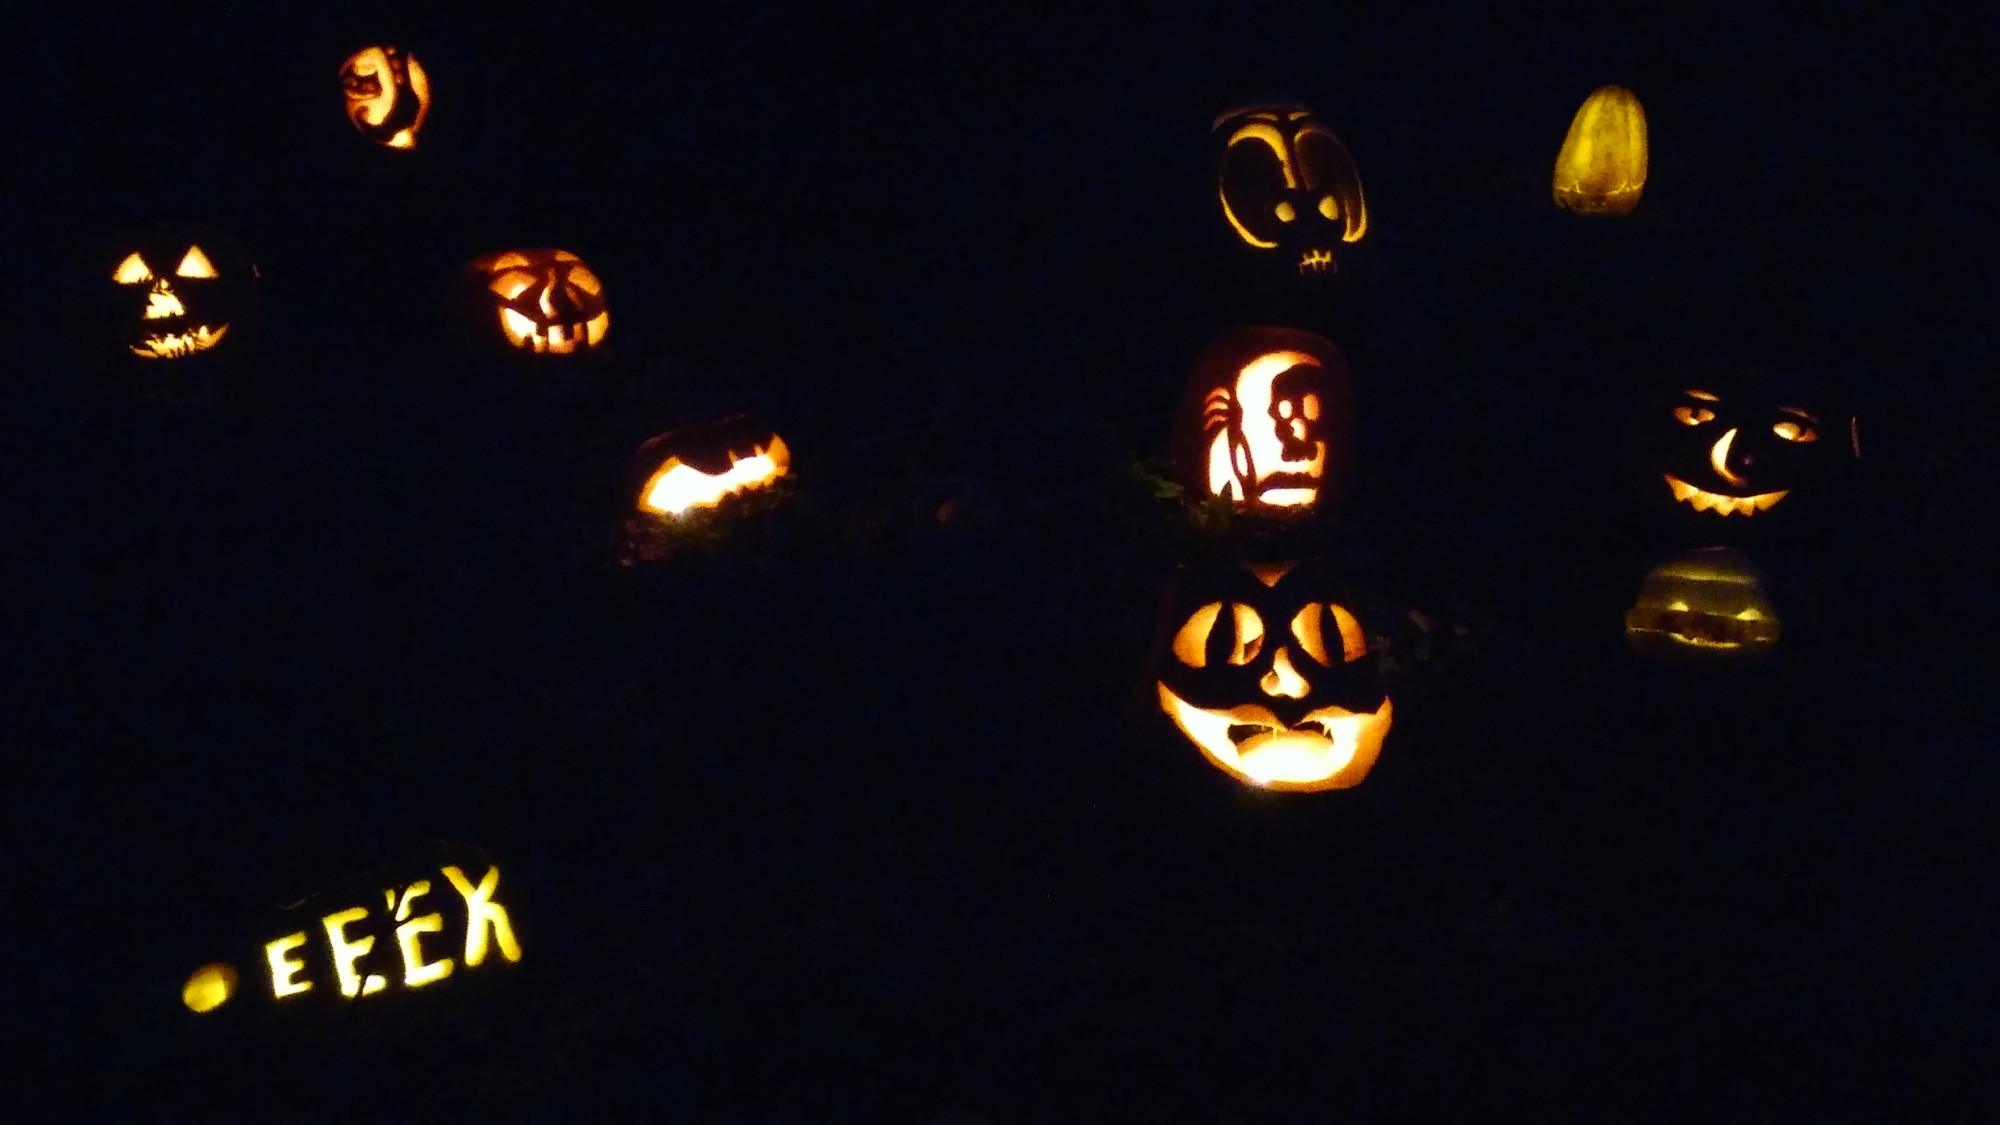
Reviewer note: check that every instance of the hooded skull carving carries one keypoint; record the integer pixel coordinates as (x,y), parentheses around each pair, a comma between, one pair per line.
(1267,422)
(1268,677)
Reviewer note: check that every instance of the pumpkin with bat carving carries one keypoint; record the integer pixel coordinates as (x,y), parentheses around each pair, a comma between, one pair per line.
(702,467)
(1268,673)
(541,302)
(1735,450)
(1267,423)
(1287,187)
(168,297)
(388,95)
(1707,604)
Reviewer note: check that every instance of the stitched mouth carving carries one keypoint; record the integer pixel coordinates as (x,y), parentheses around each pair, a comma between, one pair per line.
(1317,261)
(1704,501)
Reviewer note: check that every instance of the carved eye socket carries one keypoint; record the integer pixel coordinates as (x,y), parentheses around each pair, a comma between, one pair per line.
(1694,415)
(132,271)
(195,264)
(1285,211)
(1795,432)
(1328,207)
(1246,635)
(1309,628)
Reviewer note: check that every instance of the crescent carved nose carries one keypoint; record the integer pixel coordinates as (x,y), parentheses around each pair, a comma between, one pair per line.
(1719,458)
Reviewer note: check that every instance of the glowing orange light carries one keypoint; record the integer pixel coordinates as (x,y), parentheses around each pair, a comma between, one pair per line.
(678,487)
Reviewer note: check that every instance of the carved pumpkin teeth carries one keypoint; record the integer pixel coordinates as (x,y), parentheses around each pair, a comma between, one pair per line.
(1704,501)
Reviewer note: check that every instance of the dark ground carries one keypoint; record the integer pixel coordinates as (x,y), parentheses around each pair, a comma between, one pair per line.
(849,816)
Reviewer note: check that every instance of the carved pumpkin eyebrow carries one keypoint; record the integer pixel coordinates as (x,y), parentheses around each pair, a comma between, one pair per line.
(1797,413)
(1702,395)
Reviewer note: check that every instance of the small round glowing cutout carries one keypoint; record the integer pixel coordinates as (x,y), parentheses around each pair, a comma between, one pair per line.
(209,988)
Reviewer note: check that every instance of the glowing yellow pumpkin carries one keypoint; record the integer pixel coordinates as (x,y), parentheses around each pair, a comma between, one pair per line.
(1602,167)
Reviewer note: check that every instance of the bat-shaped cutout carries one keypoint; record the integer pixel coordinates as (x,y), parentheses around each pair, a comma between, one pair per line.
(703,466)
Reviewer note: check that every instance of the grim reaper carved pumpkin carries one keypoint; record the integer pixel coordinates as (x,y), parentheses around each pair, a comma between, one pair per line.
(1705,604)
(1287,185)
(1268,675)
(1267,423)
(543,301)
(388,95)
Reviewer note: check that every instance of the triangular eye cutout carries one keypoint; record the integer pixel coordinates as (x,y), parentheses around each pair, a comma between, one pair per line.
(195,264)
(132,271)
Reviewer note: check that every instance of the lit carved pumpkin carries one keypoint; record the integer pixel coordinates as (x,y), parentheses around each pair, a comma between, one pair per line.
(703,466)
(1267,422)
(1602,166)
(388,95)
(1268,676)
(545,302)
(404,930)
(1735,446)
(1707,604)
(1287,185)
(176,294)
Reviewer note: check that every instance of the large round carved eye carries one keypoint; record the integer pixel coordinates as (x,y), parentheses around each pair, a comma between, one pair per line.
(1246,634)
(1309,629)
(1795,432)
(1694,415)
(1285,211)
(1329,207)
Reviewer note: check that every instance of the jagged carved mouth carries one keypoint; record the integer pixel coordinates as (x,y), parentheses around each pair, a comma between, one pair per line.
(1317,261)
(1330,748)
(173,345)
(1703,630)
(1704,501)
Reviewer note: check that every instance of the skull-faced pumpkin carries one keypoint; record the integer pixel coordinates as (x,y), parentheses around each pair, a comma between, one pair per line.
(388,95)
(542,301)
(703,466)
(1287,185)
(1733,447)
(1267,674)
(1705,604)
(1267,422)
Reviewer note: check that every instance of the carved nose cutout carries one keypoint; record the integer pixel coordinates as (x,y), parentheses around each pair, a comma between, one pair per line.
(1283,680)
(1719,458)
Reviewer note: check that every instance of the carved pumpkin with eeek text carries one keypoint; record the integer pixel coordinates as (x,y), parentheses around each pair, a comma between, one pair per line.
(1705,604)
(1601,169)
(538,302)
(702,467)
(1268,674)
(403,931)
(1287,186)
(1267,423)
(388,95)
(1734,449)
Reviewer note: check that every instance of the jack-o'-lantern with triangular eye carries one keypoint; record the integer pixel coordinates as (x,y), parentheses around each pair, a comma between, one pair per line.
(702,467)
(1267,423)
(1287,186)
(1738,450)
(169,297)
(541,302)
(388,95)
(1706,605)
(1268,674)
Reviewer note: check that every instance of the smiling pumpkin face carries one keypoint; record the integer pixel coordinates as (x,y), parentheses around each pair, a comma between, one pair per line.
(1703,604)
(1268,677)
(180,296)
(1728,449)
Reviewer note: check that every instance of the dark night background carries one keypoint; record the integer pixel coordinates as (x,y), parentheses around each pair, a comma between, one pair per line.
(850,815)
